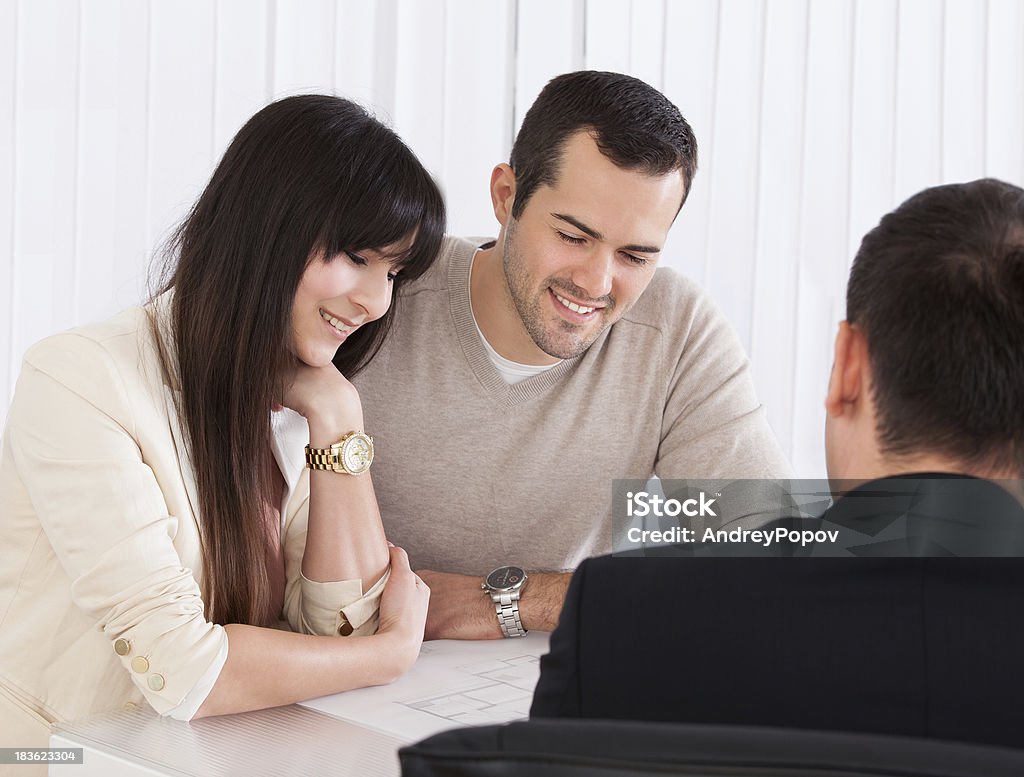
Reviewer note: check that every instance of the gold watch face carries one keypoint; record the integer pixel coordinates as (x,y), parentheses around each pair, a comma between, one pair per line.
(357,453)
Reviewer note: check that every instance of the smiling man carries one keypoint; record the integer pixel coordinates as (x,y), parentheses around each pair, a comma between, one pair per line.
(560,280)
(525,374)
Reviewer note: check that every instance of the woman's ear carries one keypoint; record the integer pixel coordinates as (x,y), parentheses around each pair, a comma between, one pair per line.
(503,192)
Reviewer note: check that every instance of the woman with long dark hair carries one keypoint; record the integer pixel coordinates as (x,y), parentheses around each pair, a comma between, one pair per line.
(185,512)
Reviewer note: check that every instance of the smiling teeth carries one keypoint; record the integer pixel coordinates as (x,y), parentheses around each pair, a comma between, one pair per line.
(334,322)
(574,307)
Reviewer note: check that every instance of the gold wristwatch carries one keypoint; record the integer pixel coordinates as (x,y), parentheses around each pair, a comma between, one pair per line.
(352,455)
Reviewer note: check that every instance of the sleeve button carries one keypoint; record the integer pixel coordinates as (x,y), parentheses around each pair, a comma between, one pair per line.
(345,629)
(140,664)
(156,682)
(122,647)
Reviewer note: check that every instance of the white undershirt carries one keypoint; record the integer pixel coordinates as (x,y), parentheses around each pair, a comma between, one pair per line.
(512,372)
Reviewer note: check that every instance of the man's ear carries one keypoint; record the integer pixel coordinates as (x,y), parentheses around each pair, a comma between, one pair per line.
(503,192)
(847,384)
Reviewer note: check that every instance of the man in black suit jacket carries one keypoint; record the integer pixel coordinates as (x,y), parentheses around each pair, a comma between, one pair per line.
(927,386)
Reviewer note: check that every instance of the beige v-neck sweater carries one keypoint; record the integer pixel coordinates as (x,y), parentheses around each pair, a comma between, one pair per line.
(472,473)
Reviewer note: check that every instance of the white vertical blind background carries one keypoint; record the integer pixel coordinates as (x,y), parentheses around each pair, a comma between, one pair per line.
(479,74)
(8,77)
(824,205)
(780,166)
(813,119)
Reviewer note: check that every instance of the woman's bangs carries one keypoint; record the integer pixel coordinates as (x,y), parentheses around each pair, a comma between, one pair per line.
(429,228)
(397,201)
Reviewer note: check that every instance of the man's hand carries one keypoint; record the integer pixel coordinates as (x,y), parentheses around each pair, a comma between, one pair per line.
(460,609)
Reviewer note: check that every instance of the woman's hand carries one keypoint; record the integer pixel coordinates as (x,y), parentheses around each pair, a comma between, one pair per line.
(329,402)
(403,609)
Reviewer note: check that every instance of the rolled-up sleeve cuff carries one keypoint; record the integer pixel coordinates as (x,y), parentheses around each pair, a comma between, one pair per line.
(190,705)
(160,634)
(341,607)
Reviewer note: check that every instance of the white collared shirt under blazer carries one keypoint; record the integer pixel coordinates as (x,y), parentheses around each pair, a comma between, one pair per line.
(100,559)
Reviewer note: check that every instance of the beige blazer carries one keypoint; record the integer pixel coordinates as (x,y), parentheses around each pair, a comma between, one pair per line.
(100,560)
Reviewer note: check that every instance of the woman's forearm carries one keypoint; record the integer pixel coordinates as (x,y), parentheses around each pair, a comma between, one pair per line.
(268,668)
(345,539)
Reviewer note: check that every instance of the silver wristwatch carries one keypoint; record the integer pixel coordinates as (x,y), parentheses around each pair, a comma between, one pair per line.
(505,585)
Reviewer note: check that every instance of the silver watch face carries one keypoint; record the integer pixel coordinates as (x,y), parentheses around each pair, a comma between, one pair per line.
(357,453)
(506,578)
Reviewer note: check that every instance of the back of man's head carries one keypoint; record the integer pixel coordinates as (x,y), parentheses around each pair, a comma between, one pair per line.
(634,125)
(937,288)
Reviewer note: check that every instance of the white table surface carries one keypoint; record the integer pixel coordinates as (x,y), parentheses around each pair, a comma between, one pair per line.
(356,733)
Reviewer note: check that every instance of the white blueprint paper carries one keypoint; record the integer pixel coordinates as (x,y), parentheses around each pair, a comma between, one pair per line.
(453,683)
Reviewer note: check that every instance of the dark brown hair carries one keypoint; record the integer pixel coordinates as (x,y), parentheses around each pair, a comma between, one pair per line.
(307,176)
(938,289)
(633,124)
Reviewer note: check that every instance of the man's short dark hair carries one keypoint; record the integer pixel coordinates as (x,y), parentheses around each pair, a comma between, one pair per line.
(634,125)
(938,289)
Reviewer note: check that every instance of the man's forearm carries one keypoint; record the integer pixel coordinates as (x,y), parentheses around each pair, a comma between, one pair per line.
(541,602)
(461,609)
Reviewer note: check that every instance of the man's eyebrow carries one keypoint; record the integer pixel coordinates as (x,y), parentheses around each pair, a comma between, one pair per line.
(579,225)
(598,236)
